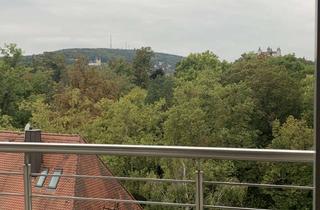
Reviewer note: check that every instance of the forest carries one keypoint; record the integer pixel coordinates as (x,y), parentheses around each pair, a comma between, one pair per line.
(252,102)
(106,55)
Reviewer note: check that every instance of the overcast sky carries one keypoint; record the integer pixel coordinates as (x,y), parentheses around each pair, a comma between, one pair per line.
(226,27)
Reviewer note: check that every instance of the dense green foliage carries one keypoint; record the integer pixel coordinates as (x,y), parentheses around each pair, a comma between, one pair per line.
(253,102)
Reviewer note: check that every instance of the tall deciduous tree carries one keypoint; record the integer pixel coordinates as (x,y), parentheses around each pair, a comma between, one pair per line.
(142,66)
(97,83)
(160,87)
(188,68)
(11,54)
(293,134)
(277,94)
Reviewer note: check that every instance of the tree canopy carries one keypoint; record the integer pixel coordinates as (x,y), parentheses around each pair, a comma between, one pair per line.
(252,102)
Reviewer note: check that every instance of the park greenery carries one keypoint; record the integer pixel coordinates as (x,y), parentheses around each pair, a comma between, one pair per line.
(253,102)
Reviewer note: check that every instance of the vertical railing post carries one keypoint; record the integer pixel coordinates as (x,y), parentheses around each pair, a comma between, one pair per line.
(199,190)
(27,182)
(316,194)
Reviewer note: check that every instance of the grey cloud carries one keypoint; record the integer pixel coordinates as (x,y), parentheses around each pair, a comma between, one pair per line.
(226,27)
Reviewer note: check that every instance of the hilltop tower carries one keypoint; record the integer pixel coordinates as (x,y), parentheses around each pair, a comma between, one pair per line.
(278,52)
(269,52)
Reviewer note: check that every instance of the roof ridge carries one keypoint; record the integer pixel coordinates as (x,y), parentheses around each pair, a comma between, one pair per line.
(60,134)
(15,132)
(43,133)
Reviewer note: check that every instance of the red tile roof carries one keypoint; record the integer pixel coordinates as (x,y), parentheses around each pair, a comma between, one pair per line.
(67,186)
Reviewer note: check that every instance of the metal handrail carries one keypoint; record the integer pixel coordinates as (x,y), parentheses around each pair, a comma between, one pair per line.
(218,153)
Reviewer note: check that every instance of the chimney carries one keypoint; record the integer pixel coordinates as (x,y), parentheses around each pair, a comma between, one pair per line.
(36,157)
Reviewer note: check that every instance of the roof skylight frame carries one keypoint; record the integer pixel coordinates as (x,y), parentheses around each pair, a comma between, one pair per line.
(42,178)
(55,178)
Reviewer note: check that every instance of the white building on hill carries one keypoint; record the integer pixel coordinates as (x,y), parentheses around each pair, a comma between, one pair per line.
(97,62)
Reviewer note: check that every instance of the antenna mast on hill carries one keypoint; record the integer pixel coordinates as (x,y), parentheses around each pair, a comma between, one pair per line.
(107,40)
(110,41)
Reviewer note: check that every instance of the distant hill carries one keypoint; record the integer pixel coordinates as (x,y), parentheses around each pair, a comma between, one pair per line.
(167,61)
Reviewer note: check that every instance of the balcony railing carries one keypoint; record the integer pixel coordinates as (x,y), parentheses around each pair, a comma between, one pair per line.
(272,155)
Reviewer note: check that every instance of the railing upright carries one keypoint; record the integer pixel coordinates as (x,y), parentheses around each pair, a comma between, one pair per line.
(316,194)
(27,182)
(199,190)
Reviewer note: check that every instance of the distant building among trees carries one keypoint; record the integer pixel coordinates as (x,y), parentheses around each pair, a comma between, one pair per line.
(162,65)
(269,52)
(97,62)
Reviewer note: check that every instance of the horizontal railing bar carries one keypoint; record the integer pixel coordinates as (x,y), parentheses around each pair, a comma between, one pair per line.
(118,178)
(140,202)
(178,181)
(11,194)
(231,207)
(8,173)
(260,185)
(163,151)
(115,200)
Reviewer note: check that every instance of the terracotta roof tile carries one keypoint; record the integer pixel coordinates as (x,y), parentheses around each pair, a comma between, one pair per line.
(67,186)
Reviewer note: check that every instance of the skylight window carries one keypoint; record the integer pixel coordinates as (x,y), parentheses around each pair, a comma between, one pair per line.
(55,179)
(42,178)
